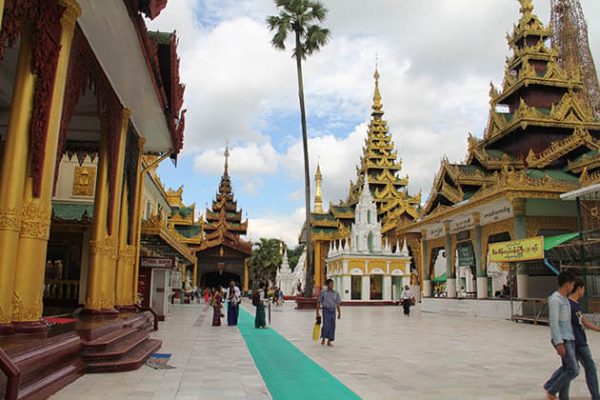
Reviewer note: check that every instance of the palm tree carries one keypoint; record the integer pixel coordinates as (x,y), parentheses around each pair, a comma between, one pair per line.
(265,260)
(301,18)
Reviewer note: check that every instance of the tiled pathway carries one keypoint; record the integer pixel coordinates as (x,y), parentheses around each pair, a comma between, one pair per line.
(211,363)
(379,355)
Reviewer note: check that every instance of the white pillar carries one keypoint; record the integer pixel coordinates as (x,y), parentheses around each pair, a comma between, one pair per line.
(482,287)
(347,287)
(426,288)
(522,286)
(451,288)
(366,288)
(387,287)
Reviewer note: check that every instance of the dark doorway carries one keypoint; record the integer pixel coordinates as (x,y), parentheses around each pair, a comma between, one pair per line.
(218,278)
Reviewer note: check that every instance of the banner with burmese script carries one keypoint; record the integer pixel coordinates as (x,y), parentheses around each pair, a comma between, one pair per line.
(517,250)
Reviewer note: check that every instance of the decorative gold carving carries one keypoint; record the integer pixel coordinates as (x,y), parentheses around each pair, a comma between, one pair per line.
(72,12)
(22,312)
(5,317)
(36,220)
(570,109)
(535,224)
(10,220)
(559,148)
(105,248)
(103,302)
(84,181)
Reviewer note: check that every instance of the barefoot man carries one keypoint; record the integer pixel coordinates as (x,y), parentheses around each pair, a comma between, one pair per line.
(563,338)
(329,300)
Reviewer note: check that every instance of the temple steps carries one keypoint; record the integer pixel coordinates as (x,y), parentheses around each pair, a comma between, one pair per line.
(126,347)
(47,365)
(130,361)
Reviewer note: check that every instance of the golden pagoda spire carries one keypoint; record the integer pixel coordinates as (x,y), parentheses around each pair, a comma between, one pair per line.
(377,105)
(318,196)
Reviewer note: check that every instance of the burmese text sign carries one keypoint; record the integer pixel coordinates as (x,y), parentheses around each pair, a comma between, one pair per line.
(517,250)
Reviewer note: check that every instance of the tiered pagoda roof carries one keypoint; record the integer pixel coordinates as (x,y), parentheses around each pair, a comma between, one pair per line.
(223,222)
(541,134)
(183,218)
(380,164)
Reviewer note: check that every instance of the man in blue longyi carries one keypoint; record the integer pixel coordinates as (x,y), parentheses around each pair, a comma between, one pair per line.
(329,300)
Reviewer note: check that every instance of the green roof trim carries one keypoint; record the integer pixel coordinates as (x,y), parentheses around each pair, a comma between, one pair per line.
(161,37)
(556,174)
(72,211)
(189,231)
(551,242)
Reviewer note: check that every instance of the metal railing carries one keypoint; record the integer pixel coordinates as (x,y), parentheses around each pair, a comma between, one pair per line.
(13,376)
(61,289)
(531,310)
(154,314)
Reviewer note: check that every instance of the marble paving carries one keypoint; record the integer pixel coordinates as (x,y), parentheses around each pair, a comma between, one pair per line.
(379,354)
(211,363)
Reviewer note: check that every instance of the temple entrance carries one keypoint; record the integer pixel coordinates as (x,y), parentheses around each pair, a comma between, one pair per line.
(376,287)
(465,269)
(499,276)
(356,281)
(214,279)
(63,273)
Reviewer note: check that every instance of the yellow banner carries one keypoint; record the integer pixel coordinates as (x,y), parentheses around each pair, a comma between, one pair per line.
(517,250)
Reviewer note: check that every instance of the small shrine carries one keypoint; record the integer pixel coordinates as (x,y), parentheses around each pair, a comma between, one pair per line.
(364,267)
(285,278)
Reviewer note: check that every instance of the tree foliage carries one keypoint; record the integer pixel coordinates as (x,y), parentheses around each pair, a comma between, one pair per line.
(294,255)
(264,261)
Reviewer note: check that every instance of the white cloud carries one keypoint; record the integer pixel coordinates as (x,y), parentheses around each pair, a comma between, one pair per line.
(244,161)
(283,226)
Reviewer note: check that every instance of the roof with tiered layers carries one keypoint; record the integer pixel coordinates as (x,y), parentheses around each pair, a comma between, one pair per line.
(541,139)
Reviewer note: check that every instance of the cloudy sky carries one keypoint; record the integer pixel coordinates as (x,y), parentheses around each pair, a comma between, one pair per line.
(436,59)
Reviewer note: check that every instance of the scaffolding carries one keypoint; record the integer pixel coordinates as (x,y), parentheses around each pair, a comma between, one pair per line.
(570,37)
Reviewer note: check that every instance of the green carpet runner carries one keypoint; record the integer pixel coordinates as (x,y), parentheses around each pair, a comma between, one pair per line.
(288,373)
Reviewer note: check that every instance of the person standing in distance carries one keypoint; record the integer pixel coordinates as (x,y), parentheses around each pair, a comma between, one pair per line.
(329,300)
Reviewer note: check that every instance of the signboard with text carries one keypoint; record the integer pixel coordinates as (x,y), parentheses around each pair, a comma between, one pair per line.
(517,250)
(157,262)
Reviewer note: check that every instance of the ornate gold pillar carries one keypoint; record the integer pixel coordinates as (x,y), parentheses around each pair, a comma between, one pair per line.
(245,286)
(104,244)
(37,210)
(125,262)
(195,274)
(137,220)
(318,267)
(13,173)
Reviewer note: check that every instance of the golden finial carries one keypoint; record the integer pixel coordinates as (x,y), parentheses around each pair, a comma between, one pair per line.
(376,96)
(526,6)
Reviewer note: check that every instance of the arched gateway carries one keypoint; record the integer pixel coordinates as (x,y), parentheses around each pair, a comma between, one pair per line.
(223,254)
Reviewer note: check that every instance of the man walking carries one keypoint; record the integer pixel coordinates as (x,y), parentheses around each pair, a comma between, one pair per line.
(582,350)
(563,338)
(234,297)
(329,300)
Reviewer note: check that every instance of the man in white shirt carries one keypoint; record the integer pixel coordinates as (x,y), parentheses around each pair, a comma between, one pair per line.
(233,296)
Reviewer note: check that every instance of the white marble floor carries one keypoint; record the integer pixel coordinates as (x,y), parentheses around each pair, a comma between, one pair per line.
(211,362)
(379,354)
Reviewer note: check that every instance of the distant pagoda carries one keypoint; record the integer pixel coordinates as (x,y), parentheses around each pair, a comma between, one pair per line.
(380,163)
(223,254)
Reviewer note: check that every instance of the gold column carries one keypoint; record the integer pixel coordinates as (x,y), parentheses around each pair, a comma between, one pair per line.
(195,276)
(37,211)
(13,173)
(137,220)
(318,266)
(1,11)
(104,244)
(125,262)
(245,286)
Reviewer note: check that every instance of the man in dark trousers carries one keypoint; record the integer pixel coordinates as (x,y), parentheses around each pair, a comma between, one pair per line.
(329,300)
(562,338)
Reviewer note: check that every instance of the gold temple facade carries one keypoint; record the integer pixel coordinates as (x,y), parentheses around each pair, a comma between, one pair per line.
(75,122)
(541,140)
